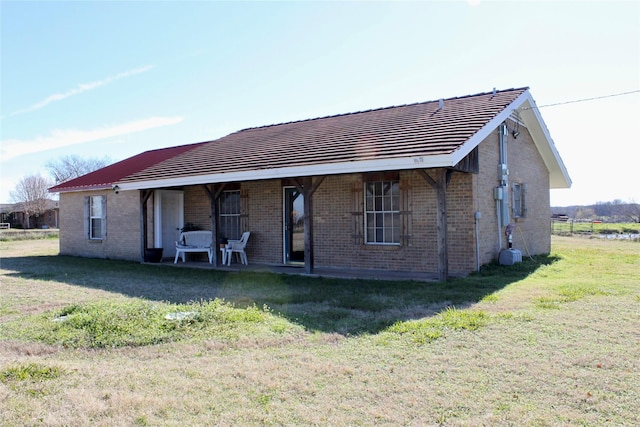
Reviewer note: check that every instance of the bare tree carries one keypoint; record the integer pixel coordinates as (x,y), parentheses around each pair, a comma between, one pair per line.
(32,195)
(632,211)
(73,166)
(583,212)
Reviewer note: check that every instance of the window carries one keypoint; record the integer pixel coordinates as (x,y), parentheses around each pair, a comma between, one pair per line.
(382,212)
(229,214)
(518,192)
(95,217)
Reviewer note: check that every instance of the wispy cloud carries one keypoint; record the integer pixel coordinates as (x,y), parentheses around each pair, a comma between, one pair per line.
(81,88)
(12,148)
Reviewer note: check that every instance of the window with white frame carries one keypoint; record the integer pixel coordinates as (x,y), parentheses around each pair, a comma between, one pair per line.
(229,215)
(95,217)
(382,212)
(518,206)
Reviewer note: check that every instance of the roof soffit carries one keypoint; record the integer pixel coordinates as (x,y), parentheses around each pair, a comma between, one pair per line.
(530,114)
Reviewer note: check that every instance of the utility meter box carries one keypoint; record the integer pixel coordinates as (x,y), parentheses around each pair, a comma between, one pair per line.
(510,256)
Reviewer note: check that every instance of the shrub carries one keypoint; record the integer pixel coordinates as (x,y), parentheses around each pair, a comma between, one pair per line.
(135,323)
(29,372)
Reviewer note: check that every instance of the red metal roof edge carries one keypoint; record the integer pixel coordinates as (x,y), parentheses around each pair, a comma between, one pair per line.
(103,178)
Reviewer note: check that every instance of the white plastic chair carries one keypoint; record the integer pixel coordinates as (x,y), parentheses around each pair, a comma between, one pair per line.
(237,247)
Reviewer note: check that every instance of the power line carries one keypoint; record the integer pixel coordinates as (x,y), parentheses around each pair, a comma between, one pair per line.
(586,99)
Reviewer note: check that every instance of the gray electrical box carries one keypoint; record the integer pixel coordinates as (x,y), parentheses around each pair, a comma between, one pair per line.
(497,193)
(502,194)
(503,172)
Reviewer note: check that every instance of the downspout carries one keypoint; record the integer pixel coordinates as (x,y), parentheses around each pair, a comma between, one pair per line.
(497,196)
(477,216)
(502,191)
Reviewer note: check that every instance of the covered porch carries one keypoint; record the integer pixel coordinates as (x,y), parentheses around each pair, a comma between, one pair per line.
(299,269)
(288,231)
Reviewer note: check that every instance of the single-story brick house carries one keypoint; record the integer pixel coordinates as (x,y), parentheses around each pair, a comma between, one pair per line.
(15,215)
(421,188)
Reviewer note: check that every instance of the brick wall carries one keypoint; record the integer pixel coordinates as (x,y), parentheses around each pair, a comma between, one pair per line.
(460,221)
(264,220)
(526,167)
(333,227)
(533,231)
(197,207)
(122,240)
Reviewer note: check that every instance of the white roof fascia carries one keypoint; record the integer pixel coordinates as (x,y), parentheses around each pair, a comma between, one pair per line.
(487,129)
(84,188)
(558,175)
(403,163)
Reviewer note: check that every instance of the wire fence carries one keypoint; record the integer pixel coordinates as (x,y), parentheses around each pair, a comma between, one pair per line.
(568,227)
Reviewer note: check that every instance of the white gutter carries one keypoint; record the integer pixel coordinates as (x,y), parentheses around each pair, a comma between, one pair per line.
(404,163)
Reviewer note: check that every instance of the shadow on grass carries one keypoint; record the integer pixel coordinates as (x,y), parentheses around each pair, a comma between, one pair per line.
(344,306)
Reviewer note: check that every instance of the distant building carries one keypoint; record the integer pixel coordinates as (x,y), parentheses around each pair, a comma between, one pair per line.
(560,217)
(15,216)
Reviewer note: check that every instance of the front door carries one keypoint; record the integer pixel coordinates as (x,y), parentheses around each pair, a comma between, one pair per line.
(169,219)
(293,226)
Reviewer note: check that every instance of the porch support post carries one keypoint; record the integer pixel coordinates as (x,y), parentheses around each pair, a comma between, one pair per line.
(144,197)
(307,186)
(439,183)
(214,191)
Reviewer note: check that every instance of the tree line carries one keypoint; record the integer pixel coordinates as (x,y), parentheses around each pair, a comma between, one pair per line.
(615,211)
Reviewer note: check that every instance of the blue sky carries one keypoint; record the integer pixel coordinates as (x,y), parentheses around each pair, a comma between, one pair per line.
(118,78)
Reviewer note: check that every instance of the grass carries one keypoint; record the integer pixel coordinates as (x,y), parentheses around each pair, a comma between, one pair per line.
(29,372)
(428,329)
(31,234)
(28,379)
(549,341)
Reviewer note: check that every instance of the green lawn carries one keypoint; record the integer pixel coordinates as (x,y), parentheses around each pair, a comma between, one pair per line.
(554,340)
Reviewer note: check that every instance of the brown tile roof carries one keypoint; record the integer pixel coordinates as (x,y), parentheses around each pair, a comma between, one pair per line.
(423,135)
(421,129)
